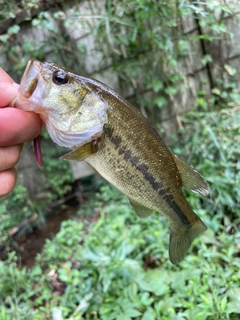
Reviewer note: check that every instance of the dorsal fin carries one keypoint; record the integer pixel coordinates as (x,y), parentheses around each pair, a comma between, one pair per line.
(191,178)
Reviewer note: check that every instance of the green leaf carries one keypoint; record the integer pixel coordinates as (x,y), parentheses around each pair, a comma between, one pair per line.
(171,90)
(14,29)
(231,71)
(233,305)
(157,85)
(160,101)
(206,59)
(149,314)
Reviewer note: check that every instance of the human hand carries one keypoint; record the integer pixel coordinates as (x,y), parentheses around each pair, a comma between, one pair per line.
(16,127)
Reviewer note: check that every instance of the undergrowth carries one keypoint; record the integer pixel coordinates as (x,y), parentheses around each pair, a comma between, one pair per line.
(117,267)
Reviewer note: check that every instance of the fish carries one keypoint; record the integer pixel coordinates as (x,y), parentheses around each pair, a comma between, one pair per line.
(114,138)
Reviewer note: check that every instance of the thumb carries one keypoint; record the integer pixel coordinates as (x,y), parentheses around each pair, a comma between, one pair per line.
(8,88)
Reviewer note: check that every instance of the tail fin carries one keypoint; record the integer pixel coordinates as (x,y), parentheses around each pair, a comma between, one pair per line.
(180,242)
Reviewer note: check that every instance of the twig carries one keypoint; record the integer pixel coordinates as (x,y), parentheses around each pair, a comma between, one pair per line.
(22,224)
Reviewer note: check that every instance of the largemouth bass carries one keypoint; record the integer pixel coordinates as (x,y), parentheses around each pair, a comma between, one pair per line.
(115,139)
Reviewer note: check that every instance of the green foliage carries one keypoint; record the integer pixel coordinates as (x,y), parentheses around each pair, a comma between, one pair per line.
(57,173)
(118,268)
(20,206)
(138,34)
(9,10)
(210,142)
(14,209)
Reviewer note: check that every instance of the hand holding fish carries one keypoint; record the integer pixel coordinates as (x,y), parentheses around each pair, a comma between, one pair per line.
(16,127)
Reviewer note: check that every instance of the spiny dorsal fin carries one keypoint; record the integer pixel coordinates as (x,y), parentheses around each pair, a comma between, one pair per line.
(140,210)
(180,241)
(191,179)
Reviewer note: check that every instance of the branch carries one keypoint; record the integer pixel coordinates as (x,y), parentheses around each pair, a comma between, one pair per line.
(22,224)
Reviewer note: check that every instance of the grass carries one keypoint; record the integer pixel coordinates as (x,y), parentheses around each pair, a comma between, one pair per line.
(117,267)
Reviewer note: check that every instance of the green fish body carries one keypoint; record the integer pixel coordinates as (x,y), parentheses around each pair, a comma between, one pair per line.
(115,139)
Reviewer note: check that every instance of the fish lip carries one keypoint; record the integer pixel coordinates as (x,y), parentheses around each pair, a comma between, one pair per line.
(30,78)
(26,98)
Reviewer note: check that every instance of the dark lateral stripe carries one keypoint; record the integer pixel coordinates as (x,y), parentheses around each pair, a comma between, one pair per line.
(114,138)
(143,168)
(158,186)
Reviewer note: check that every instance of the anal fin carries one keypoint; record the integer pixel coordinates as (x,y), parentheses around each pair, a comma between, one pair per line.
(141,211)
(191,178)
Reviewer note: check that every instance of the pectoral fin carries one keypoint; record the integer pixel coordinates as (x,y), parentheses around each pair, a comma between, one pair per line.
(191,179)
(140,210)
(81,153)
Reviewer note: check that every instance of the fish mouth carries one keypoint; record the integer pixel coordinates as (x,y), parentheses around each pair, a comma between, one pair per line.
(28,84)
(30,78)
(29,92)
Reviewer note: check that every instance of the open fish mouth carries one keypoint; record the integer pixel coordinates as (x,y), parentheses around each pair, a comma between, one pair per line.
(30,83)
(30,78)
(27,87)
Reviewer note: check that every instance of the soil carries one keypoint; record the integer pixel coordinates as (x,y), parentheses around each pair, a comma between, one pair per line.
(32,243)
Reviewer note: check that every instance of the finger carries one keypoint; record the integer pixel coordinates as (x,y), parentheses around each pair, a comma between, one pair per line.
(9,156)
(8,92)
(8,180)
(8,88)
(18,126)
(5,77)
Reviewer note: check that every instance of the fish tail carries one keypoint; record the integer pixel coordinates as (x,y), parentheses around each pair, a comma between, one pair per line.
(180,241)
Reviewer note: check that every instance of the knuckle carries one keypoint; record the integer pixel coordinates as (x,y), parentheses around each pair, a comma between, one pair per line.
(7,182)
(9,156)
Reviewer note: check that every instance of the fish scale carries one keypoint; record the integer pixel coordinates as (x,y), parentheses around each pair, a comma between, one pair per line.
(153,157)
(104,129)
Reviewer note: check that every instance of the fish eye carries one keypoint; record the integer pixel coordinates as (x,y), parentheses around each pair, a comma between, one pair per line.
(60,77)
